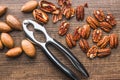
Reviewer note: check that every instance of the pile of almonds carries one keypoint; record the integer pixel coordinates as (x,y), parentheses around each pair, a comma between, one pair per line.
(81,34)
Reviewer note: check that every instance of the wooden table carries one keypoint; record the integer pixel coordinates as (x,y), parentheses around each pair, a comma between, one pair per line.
(40,68)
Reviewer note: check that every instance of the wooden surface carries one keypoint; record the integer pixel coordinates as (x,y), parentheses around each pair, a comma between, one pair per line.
(40,68)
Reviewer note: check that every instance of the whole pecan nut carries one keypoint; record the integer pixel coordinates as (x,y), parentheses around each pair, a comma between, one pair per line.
(84,45)
(63,28)
(105,26)
(110,19)
(92,52)
(92,22)
(85,31)
(103,42)
(104,52)
(80,13)
(47,6)
(40,16)
(99,14)
(77,33)
(69,40)
(113,40)
(96,35)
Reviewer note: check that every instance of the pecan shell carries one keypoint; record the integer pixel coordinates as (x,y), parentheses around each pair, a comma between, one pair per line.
(69,40)
(99,14)
(80,13)
(113,40)
(96,35)
(103,42)
(40,16)
(105,26)
(92,22)
(84,45)
(104,52)
(63,28)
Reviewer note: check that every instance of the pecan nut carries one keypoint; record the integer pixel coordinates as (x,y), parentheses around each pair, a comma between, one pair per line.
(85,32)
(105,26)
(104,52)
(92,22)
(80,13)
(92,52)
(63,28)
(113,40)
(47,6)
(96,35)
(40,16)
(99,14)
(69,40)
(103,42)
(84,45)
(110,19)
(64,2)
(77,34)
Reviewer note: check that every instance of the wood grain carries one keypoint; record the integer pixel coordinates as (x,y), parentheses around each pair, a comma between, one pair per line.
(40,68)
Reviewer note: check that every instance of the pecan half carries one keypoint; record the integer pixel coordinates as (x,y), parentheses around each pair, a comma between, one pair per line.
(64,2)
(104,52)
(47,6)
(69,40)
(96,35)
(80,13)
(110,19)
(85,32)
(57,11)
(84,45)
(63,28)
(77,33)
(92,52)
(92,22)
(40,16)
(103,42)
(99,14)
(113,40)
(105,26)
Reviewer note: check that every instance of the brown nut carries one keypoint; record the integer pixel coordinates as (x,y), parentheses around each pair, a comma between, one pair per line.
(85,31)
(99,14)
(96,35)
(29,6)
(40,16)
(1,45)
(105,26)
(2,10)
(84,45)
(92,22)
(64,2)
(4,27)
(110,19)
(92,52)
(14,52)
(77,34)
(103,42)
(113,40)
(104,52)
(7,40)
(47,6)
(57,11)
(28,48)
(80,13)
(69,40)
(63,28)
(13,22)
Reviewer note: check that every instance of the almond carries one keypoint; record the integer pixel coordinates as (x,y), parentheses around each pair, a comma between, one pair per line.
(1,45)
(2,10)
(7,40)
(4,27)
(29,6)
(28,48)
(13,22)
(14,52)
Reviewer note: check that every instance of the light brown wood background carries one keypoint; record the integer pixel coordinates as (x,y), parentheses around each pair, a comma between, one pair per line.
(40,68)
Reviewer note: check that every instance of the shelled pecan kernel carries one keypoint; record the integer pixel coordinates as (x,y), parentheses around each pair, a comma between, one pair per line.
(69,40)
(77,33)
(104,52)
(105,26)
(96,35)
(113,40)
(80,13)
